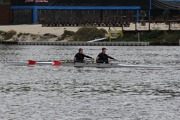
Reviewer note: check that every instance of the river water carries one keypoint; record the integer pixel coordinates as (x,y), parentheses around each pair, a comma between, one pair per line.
(69,93)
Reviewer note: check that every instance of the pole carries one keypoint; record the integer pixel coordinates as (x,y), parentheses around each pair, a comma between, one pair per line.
(138,37)
(169,23)
(35,16)
(150,7)
(137,15)
(109,33)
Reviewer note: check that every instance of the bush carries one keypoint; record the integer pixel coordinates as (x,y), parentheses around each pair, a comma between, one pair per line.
(20,34)
(1,32)
(26,34)
(50,35)
(59,39)
(172,37)
(12,32)
(158,36)
(9,34)
(89,33)
(70,33)
(67,33)
(102,31)
(154,37)
(128,37)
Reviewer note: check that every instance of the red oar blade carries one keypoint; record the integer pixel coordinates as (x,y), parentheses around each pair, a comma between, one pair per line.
(31,62)
(56,63)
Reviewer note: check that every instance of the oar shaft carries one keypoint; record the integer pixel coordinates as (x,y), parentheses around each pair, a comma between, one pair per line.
(53,63)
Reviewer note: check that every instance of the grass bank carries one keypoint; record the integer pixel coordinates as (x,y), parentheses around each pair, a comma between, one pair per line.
(155,37)
(84,34)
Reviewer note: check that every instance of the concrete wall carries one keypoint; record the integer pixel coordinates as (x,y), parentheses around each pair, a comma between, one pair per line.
(87,43)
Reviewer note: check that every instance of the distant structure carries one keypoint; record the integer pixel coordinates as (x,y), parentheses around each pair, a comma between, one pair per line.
(5,2)
(93,12)
(5,12)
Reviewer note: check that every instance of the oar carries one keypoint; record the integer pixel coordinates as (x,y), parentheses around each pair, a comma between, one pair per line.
(116,60)
(31,62)
(54,63)
(139,66)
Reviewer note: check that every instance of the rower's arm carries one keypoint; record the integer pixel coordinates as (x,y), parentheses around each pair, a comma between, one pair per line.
(87,56)
(111,57)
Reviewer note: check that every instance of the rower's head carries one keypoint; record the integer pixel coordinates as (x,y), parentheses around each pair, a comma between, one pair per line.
(104,50)
(80,50)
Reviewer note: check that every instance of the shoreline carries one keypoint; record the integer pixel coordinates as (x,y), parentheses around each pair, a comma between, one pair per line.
(39,30)
(12,34)
(36,29)
(46,43)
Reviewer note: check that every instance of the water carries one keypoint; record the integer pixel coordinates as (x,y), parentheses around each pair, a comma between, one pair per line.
(68,93)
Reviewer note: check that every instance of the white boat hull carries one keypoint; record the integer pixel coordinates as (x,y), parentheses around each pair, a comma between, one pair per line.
(97,65)
(111,65)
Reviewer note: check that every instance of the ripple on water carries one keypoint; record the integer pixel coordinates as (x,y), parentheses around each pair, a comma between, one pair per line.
(68,93)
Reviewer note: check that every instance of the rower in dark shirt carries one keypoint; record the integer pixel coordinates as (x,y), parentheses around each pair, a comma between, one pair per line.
(103,57)
(79,57)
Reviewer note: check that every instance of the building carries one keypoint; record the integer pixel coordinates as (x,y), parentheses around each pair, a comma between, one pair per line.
(5,12)
(93,12)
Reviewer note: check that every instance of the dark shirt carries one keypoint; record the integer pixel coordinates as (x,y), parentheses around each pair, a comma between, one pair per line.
(80,57)
(103,58)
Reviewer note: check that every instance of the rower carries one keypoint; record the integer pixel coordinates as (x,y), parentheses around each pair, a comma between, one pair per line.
(79,57)
(103,57)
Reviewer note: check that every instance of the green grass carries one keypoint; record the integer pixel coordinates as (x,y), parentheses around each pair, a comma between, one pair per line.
(154,36)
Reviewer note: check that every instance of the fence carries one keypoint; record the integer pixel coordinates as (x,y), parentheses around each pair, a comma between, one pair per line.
(75,14)
(87,43)
(117,16)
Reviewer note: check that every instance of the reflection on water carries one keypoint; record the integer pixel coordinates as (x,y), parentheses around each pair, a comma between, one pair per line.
(68,93)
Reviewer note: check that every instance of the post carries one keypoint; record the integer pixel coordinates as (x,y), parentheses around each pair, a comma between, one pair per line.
(137,15)
(136,26)
(139,37)
(169,23)
(109,34)
(35,15)
(149,20)
(150,7)
(149,25)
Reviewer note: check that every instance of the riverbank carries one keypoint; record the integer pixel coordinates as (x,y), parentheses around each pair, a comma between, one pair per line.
(33,33)
(36,33)
(37,29)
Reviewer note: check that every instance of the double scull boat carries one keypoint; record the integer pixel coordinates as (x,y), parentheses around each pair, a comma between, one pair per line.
(75,64)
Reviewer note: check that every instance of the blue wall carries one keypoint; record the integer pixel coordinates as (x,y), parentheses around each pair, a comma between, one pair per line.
(36,8)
